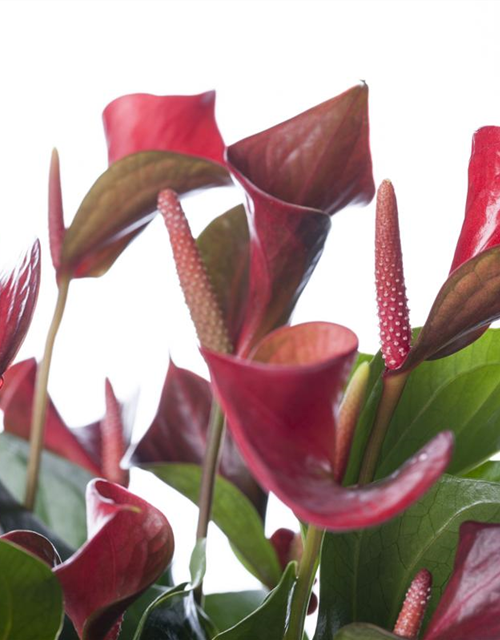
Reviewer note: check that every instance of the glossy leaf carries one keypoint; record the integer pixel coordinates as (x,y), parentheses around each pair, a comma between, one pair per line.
(294,175)
(36,544)
(228,609)
(97,447)
(13,516)
(270,619)
(18,296)
(233,514)
(282,410)
(363,632)
(123,201)
(470,604)
(175,616)
(225,248)
(130,545)
(365,575)
(60,502)
(31,604)
(481,228)
(458,393)
(318,159)
(178,432)
(489,472)
(144,122)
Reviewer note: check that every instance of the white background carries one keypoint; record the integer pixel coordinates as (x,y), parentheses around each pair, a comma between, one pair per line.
(433,73)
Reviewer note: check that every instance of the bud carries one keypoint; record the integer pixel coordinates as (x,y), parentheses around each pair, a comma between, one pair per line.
(112,440)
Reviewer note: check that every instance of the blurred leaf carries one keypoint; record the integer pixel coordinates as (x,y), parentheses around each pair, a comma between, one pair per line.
(489,472)
(270,620)
(60,501)
(227,609)
(31,604)
(363,632)
(198,563)
(122,202)
(233,513)
(365,575)
(174,616)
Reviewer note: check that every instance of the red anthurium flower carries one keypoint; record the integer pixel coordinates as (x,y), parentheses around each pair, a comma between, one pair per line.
(130,545)
(178,432)
(470,605)
(295,175)
(143,122)
(282,409)
(469,300)
(18,296)
(98,447)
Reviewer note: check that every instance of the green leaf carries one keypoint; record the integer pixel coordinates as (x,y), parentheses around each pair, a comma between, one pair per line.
(270,619)
(198,563)
(122,202)
(225,248)
(459,393)
(363,632)
(233,513)
(60,502)
(174,616)
(135,612)
(489,472)
(365,575)
(31,603)
(227,609)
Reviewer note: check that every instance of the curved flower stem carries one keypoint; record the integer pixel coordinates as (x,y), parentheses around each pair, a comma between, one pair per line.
(394,385)
(40,399)
(215,439)
(302,593)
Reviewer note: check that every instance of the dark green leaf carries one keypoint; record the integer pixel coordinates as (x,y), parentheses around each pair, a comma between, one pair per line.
(135,612)
(31,603)
(365,575)
(122,202)
(233,513)
(459,393)
(363,632)
(489,472)
(224,246)
(14,516)
(270,619)
(174,616)
(227,609)
(60,502)
(469,299)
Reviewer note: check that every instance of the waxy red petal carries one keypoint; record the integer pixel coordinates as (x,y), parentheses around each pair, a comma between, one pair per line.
(481,228)
(178,432)
(144,122)
(35,543)
(294,174)
(130,545)
(86,446)
(470,605)
(319,159)
(18,296)
(282,411)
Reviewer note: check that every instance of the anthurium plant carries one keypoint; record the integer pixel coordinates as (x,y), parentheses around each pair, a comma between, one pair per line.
(385,460)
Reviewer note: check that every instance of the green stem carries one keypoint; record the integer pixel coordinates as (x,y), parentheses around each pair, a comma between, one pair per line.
(40,399)
(215,439)
(302,593)
(393,388)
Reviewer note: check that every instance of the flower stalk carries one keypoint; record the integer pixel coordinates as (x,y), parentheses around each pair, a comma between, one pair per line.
(40,397)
